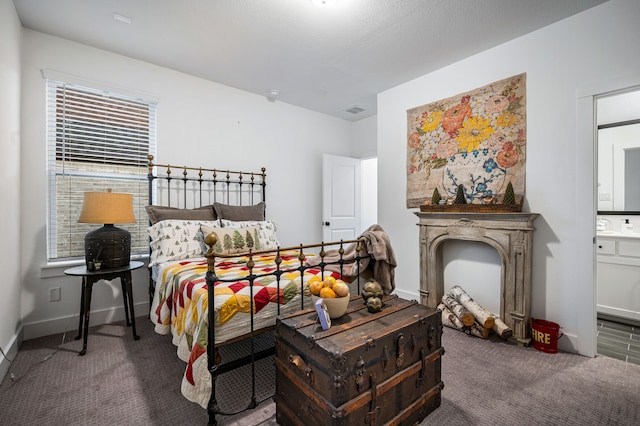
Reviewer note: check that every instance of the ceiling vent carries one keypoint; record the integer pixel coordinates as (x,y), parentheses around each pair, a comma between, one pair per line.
(355,109)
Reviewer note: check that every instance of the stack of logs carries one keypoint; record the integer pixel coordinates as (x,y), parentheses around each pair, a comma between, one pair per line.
(461,312)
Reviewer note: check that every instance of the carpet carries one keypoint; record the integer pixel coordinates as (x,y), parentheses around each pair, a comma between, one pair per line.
(126,382)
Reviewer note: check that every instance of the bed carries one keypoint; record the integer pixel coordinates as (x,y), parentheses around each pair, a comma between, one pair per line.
(215,258)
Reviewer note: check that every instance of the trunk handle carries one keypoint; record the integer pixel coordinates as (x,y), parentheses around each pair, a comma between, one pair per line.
(373,414)
(400,350)
(302,366)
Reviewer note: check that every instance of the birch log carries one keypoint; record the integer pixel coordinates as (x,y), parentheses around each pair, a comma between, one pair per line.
(483,331)
(475,332)
(483,316)
(449,319)
(502,329)
(459,310)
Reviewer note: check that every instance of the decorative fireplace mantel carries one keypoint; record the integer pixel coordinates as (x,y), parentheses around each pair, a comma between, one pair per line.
(509,233)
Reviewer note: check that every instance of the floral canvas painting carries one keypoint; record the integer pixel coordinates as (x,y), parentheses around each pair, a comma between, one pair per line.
(476,139)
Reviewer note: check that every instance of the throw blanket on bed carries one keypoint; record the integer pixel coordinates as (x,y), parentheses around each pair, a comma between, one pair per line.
(180,307)
(378,246)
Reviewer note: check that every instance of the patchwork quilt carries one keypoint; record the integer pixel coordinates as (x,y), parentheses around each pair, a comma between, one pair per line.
(180,306)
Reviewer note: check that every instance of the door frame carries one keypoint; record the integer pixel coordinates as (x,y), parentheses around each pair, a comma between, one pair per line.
(586,202)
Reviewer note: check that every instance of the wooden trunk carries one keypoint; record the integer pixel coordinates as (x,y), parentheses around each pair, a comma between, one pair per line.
(367,369)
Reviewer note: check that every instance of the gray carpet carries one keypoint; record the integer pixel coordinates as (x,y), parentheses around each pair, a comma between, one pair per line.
(126,382)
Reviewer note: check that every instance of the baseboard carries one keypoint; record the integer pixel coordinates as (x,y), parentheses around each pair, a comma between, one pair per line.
(11,351)
(65,324)
(615,318)
(568,342)
(618,313)
(407,295)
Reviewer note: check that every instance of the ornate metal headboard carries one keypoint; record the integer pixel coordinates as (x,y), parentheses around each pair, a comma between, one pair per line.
(189,187)
(185,187)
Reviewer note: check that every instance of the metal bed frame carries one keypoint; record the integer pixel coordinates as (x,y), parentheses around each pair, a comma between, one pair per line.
(199,186)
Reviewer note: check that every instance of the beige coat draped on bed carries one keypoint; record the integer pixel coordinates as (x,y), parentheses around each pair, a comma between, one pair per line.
(378,246)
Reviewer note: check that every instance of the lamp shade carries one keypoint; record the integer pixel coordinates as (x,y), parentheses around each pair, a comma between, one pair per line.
(107,207)
(109,246)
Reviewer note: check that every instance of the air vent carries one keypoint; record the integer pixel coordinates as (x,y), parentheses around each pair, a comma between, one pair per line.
(355,110)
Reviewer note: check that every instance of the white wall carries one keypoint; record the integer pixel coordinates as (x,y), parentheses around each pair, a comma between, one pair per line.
(200,123)
(563,62)
(369,209)
(10,326)
(365,138)
(365,141)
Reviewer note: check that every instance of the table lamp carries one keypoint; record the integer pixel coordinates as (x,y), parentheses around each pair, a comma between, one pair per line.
(107,247)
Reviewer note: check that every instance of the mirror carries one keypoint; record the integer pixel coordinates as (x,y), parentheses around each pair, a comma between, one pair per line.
(619,153)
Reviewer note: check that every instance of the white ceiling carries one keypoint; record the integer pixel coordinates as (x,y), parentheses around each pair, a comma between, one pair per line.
(325,59)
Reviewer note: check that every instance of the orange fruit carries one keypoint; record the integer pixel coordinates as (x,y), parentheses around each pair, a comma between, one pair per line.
(340,288)
(327,293)
(315,287)
(329,281)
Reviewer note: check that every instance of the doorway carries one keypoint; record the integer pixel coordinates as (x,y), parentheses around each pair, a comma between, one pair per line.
(617,141)
(349,196)
(585,222)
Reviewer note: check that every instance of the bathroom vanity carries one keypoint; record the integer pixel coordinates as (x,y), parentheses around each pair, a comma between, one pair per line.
(618,279)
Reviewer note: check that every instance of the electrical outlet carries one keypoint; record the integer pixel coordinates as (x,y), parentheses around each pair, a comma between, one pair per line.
(55,294)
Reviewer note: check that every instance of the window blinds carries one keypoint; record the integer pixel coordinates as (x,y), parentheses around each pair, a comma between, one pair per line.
(96,141)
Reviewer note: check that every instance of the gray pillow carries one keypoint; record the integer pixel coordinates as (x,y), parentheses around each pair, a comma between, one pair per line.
(239,213)
(158,213)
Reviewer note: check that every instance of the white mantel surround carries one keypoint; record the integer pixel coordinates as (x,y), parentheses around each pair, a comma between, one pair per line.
(509,233)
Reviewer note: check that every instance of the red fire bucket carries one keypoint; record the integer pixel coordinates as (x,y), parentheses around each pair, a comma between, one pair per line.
(545,335)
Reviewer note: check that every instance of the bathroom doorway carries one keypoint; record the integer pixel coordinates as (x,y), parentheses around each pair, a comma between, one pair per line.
(617,266)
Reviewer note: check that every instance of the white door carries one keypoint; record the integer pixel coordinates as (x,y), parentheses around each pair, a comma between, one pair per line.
(341,198)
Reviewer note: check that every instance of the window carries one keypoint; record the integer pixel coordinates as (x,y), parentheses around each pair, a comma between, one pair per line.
(96,141)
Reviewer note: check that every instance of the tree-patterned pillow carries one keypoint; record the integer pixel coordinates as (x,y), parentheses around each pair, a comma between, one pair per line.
(234,240)
(176,240)
(267,231)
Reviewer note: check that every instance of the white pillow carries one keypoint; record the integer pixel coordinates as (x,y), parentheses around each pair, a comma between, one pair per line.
(176,240)
(266,233)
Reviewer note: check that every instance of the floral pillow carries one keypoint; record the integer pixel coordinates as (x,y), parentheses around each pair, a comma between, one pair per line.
(176,240)
(235,240)
(266,233)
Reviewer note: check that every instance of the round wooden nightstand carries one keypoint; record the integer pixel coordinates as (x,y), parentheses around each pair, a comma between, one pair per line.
(91,277)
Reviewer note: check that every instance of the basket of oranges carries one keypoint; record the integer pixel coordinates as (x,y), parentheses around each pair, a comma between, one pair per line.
(334,292)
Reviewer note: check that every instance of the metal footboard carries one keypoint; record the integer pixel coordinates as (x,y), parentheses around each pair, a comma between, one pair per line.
(214,363)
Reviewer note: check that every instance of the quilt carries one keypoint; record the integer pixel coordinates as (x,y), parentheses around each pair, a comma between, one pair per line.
(180,306)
